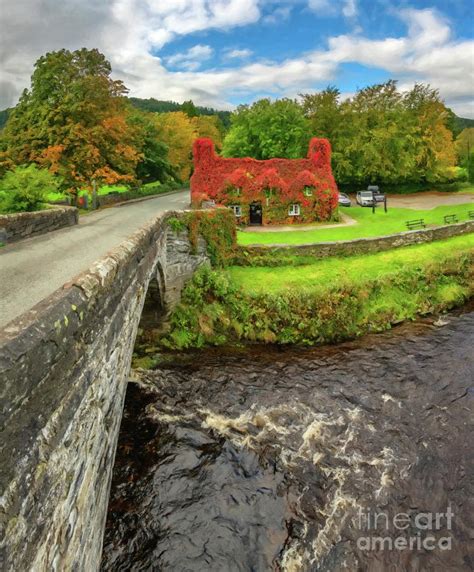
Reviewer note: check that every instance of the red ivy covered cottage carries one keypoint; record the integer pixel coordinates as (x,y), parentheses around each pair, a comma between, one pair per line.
(267,192)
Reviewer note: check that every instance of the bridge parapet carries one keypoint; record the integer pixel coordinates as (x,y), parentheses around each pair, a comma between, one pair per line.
(64,367)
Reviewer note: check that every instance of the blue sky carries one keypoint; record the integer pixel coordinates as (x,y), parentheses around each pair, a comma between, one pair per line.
(226,52)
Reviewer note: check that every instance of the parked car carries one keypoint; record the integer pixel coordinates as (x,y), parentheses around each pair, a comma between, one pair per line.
(365,198)
(344,200)
(377,193)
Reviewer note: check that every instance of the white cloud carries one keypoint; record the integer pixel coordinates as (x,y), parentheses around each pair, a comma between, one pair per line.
(277,15)
(238,54)
(132,32)
(320,5)
(191,59)
(349,9)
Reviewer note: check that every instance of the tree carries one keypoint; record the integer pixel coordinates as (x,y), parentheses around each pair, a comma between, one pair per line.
(189,108)
(465,150)
(209,126)
(432,145)
(384,135)
(154,164)
(73,121)
(25,188)
(176,130)
(268,129)
(324,112)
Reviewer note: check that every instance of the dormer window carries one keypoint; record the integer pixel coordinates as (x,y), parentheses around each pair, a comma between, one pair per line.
(308,191)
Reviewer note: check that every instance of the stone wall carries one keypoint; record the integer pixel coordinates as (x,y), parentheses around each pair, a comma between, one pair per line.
(362,245)
(17,226)
(112,199)
(64,366)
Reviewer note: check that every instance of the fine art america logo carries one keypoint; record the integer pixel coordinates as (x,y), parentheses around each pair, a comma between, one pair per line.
(403,531)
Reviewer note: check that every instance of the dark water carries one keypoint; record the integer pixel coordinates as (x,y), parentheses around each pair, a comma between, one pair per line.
(271,459)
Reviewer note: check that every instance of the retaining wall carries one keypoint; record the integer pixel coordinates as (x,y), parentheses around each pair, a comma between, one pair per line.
(17,226)
(362,245)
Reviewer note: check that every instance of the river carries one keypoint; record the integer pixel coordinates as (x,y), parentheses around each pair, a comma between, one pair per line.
(316,459)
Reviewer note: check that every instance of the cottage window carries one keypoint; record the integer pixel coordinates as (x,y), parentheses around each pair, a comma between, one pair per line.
(237,210)
(294,210)
(308,191)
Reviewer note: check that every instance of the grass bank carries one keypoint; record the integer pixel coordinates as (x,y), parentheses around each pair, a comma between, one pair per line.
(328,301)
(369,224)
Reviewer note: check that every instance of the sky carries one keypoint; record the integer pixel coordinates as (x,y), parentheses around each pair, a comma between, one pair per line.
(221,53)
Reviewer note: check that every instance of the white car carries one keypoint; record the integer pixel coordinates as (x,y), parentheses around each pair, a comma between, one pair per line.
(365,198)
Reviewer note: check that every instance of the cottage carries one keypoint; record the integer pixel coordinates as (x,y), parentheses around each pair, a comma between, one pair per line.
(275,191)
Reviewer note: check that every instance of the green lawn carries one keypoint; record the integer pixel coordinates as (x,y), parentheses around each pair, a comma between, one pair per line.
(338,271)
(370,224)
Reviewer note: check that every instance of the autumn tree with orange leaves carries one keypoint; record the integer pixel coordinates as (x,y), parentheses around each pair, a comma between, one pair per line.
(73,121)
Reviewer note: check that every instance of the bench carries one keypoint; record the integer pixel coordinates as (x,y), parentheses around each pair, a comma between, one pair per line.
(450,218)
(471,214)
(415,223)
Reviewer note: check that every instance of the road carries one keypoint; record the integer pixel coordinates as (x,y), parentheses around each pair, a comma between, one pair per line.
(33,269)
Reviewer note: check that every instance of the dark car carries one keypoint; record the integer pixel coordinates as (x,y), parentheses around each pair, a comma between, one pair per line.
(344,200)
(377,193)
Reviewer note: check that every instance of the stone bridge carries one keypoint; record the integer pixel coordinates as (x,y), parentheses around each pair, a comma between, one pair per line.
(64,367)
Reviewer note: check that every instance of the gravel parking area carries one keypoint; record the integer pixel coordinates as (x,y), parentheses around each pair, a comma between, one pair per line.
(430,200)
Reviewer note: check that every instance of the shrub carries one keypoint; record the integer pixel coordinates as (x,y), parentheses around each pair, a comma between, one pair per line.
(25,188)
(217,228)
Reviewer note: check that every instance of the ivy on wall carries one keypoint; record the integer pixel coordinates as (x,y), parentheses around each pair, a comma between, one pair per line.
(275,183)
(216,227)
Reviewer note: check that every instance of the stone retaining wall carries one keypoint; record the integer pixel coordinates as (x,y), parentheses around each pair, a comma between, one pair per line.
(64,368)
(112,199)
(17,226)
(363,245)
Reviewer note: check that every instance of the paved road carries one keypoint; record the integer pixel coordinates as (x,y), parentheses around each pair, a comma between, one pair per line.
(33,269)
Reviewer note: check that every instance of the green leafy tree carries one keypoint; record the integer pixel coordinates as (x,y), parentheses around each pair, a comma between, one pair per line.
(323,110)
(189,108)
(383,135)
(25,188)
(73,121)
(154,164)
(465,150)
(268,129)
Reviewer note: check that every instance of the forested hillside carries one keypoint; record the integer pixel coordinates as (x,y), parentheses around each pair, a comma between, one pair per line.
(160,106)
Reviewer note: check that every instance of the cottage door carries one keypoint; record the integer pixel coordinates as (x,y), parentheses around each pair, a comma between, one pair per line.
(255,213)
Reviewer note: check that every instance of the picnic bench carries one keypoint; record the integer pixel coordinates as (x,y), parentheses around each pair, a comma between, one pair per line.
(450,218)
(415,223)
